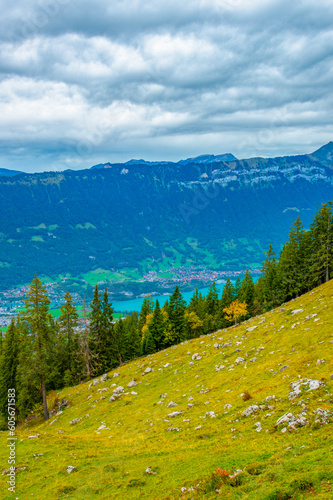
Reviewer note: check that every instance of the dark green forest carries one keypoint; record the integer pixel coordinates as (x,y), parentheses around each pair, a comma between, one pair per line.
(39,354)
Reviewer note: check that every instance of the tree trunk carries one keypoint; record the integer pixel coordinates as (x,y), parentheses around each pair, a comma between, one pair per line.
(46,413)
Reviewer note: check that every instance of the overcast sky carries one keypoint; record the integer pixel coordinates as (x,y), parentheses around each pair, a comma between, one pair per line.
(86,82)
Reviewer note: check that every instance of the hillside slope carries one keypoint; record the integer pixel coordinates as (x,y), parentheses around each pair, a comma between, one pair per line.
(113,443)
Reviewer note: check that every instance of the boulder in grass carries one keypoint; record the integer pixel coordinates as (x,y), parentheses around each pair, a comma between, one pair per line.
(70,469)
(104,377)
(132,383)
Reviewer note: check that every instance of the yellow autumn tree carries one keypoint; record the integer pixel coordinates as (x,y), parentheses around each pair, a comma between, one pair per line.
(235,311)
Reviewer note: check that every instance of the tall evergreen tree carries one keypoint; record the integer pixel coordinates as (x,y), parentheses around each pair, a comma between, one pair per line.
(228,295)
(177,306)
(271,285)
(146,308)
(212,300)
(322,244)
(246,293)
(37,344)
(292,265)
(108,346)
(67,340)
(8,366)
(157,327)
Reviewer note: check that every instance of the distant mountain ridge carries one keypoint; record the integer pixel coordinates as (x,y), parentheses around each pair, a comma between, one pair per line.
(8,173)
(140,218)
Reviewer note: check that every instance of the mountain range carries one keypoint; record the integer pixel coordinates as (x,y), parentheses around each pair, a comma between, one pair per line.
(122,221)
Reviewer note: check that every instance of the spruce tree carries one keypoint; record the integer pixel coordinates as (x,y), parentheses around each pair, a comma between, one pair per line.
(37,347)
(157,327)
(292,265)
(322,244)
(150,346)
(177,306)
(212,300)
(67,323)
(228,295)
(146,308)
(8,366)
(246,293)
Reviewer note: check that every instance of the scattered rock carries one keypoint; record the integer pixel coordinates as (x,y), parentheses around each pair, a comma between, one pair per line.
(132,383)
(251,409)
(196,356)
(172,404)
(70,469)
(148,370)
(104,377)
(251,328)
(149,471)
(118,390)
(297,311)
(284,368)
(101,427)
(175,414)
(320,361)
(115,375)
(239,361)
(95,381)
(227,406)
(75,421)
(166,365)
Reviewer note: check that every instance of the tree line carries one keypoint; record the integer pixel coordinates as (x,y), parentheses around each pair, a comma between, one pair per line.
(39,354)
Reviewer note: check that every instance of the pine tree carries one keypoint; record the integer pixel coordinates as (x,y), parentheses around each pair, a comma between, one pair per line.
(322,244)
(177,306)
(246,293)
(108,346)
(212,300)
(150,346)
(157,327)
(37,343)
(132,341)
(8,366)
(120,339)
(67,340)
(292,265)
(146,308)
(227,297)
(270,282)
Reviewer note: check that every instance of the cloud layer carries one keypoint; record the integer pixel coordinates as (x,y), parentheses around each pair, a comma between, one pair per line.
(84,82)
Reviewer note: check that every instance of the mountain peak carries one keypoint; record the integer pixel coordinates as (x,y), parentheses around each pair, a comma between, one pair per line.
(324,154)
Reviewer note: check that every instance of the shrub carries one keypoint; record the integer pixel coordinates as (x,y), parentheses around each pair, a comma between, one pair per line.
(246,396)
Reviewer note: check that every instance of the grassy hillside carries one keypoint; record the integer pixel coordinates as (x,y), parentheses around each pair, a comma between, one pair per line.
(277,461)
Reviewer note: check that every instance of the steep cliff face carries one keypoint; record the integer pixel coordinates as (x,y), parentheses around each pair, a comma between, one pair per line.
(144,216)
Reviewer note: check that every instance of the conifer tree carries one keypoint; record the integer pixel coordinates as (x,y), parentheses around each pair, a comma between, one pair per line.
(132,341)
(225,301)
(8,366)
(108,346)
(120,339)
(246,293)
(322,244)
(212,300)
(177,306)
(37,343)
(146,308)
(67,340)
(157,327)
(150,346)
(270,283)
(292,265)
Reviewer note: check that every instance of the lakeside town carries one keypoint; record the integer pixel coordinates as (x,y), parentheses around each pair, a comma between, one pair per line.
(152,283)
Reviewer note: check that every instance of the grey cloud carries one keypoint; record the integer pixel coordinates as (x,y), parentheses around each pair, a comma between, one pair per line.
(167,78)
